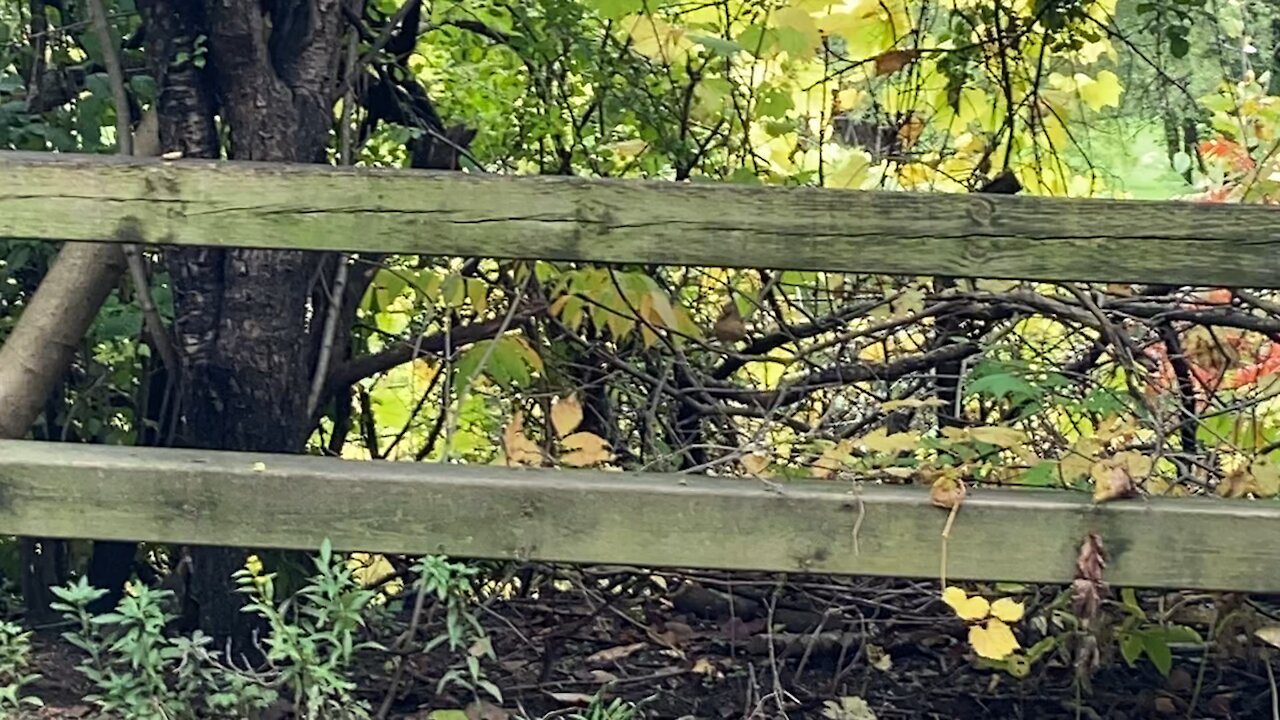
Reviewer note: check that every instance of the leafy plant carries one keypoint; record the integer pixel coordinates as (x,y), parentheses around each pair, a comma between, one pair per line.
(314,636)
(15,661)
(449,583)
(129,659)
(1138,636)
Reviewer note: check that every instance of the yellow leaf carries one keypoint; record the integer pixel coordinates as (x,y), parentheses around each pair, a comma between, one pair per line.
(585,449)
(1001,436)
(755,463)
(891,405)
(968,608)
(531,356)
(520,450)
(1269,634)
(994,641)
(658,40)
(910,302)
(566,415)
(830,461)
(996,286)
(478,293)
(1007,610)
(1266,477)
(848,98)
(1100,91)
(703,666)
(259,467)
(880,441)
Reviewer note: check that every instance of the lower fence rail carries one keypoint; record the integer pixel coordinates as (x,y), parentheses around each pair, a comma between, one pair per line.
(647,520)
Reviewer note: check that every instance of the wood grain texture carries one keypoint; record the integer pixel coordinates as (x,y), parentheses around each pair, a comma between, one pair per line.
(67,197)
(198,497)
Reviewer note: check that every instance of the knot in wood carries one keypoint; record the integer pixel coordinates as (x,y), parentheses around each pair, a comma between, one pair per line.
(981,211)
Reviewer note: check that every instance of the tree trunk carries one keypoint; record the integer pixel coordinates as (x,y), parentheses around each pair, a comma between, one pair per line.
(243,317)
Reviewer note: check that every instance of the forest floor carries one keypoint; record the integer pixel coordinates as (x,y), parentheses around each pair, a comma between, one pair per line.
(721,646)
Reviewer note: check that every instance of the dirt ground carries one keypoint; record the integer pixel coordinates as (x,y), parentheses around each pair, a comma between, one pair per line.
(721,646)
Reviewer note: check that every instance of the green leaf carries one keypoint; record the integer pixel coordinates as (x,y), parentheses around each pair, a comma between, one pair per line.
(615,9)
(1042,474)
(1182,634)
(1156,644)
(454,290)
(1130,647)
(717,45)
(1002,385)
(1130,600)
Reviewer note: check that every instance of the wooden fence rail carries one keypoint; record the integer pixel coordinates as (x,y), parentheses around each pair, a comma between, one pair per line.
(647,520)
(622,518)
(312,207)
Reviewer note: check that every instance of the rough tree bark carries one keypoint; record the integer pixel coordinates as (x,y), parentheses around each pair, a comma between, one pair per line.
(243,317)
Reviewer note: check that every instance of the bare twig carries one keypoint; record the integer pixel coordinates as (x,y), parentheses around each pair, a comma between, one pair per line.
(336,293)
(124,143)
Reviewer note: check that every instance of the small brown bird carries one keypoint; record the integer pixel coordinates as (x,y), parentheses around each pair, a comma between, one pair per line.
(730,327)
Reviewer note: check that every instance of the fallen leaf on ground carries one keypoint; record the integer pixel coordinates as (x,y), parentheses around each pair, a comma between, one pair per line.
(1007,610)
(994,640)
(614,654)
(572,698)
(968,608)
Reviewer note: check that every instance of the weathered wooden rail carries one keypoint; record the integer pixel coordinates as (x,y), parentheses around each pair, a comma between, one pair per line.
(621,518)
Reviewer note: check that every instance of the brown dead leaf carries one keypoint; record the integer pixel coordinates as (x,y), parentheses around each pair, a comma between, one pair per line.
(520,450)
(673,634)
(738,630)
(947,492)
(585,449)
(891,61)
(566,415)
(729,326)
(614,654)
(910,130)
(604,677)
(1118,476)
(1088,588)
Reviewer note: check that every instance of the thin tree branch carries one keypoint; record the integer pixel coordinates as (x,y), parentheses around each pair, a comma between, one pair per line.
(125,145)
(338,291)
(401,353)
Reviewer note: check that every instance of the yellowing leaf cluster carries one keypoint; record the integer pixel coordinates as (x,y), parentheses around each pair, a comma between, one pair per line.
(992,639)
(580,448)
